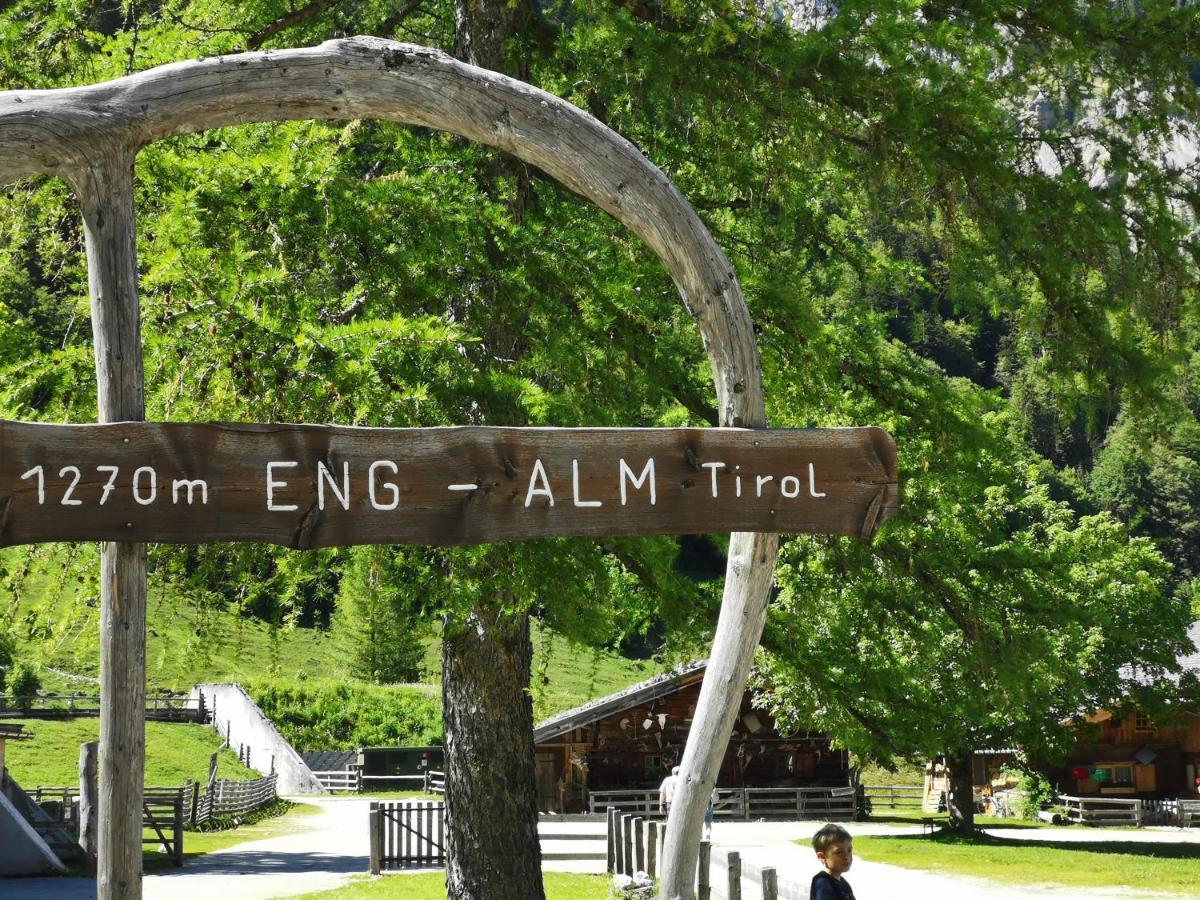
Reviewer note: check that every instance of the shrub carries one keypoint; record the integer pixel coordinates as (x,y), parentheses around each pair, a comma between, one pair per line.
(8,655)
(25,684)
(340,716)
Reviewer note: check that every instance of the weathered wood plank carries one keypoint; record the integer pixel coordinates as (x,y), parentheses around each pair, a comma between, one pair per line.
(319,486)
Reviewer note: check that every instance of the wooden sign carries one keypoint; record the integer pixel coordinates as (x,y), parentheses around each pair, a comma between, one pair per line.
(321,486)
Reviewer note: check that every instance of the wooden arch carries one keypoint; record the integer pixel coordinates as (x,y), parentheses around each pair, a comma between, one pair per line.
(90,135)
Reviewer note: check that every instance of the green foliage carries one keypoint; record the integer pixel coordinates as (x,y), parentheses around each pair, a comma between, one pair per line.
(381,601)
(25,684)
(1037,793)
(340,716)
(8,656)
(175,753)
(954,222)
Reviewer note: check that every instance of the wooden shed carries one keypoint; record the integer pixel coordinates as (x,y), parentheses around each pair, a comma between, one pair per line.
(631,739)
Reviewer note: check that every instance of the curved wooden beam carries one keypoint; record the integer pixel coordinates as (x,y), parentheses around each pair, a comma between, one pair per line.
(75,132)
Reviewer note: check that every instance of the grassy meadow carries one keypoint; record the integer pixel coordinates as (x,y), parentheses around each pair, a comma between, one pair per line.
(174,753)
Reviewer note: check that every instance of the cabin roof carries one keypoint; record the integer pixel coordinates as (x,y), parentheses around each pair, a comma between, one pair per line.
(642,692)
(1190,662)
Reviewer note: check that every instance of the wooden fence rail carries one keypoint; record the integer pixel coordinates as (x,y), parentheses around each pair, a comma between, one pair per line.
(1103,810)
(435,783)
(744,803)
(199,804)
(159,707)
(895,796)
(407,835)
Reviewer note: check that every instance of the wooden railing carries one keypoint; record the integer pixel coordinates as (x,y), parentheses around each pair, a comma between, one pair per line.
(435,782)
(164,812)
(353,781)
(160,707)
(1103,810)
(744,803)
(895,796)
(347,780)
(1189,813)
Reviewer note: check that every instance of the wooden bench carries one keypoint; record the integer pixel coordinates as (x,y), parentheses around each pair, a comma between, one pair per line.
(930,827)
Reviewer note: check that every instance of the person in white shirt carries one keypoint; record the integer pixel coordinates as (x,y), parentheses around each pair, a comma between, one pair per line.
(666,791)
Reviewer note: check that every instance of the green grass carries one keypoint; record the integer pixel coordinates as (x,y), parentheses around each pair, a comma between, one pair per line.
(906,774)
(174,753)
(432,885)
(1169,869)
(56,620)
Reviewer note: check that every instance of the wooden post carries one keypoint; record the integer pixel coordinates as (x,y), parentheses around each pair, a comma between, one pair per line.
(177,824)
(770,884)
(639,845)
(734,871)
(704,873)
(195,801)
(87,804)
(618,843)
(612,839)
(652,849)
(376,820)
(104,186)
(627,843)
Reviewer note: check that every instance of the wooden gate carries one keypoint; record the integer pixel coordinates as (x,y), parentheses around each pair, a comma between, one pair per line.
(407,835)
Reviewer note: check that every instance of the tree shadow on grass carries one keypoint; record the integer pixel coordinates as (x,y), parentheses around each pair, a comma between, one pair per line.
(1149,849)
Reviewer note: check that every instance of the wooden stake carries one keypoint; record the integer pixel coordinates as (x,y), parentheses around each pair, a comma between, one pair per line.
(612,840)
(770,884)
(639,845)
(652,849)
(734,872)
(704,872)
(87,804)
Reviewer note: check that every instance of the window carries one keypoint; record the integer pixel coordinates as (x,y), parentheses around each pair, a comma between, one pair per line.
(1141,722)
(1122,776)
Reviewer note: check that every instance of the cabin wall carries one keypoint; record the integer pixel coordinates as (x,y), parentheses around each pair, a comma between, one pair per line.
(1132,756)
(636,748)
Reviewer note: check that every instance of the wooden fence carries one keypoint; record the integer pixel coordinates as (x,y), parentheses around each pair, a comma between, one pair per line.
(353,781)
(435,783)
(1103,810)
(158,707)
(407,835)
(744,803)
(635,844)
(231,798)
(899,796)
(164,811)
(199,804)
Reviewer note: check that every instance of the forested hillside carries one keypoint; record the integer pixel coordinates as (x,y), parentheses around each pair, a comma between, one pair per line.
(964,222)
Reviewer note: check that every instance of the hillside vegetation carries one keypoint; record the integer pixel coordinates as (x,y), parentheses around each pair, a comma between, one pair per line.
(175,753)
(303,677)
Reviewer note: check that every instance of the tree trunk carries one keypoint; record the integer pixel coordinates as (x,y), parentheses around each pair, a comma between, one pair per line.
(961,801)
(491,794)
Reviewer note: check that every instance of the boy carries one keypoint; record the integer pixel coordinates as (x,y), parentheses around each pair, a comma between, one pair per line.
(835,851)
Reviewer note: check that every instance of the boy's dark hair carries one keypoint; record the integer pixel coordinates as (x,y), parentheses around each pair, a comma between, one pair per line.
(830,835)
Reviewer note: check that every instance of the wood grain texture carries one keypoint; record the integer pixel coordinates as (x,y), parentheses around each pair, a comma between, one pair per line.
(319,486)
(105,192)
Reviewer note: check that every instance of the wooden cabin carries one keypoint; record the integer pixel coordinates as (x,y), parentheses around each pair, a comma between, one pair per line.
(631,739)
(1125,753)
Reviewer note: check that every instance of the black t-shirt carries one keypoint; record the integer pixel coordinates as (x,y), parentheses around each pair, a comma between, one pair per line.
(826,887)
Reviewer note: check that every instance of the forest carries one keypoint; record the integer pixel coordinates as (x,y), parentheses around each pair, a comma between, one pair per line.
(971,223)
